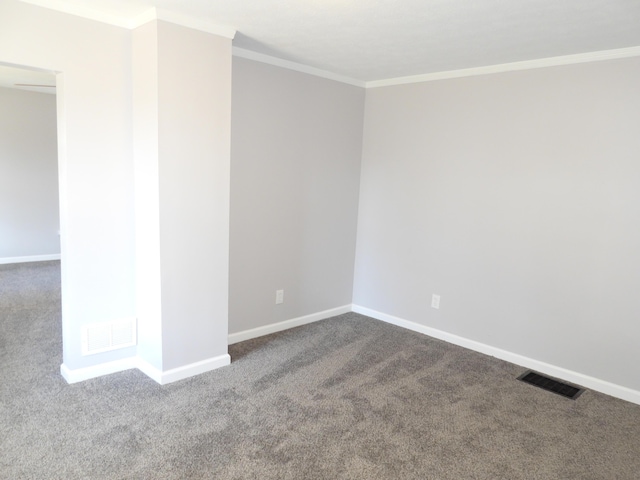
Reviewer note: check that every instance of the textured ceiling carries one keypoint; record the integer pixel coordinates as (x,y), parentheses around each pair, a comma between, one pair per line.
(371,40)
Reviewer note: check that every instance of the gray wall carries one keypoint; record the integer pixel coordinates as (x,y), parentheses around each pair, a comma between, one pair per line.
(516,197)
(295,166)
(29,218)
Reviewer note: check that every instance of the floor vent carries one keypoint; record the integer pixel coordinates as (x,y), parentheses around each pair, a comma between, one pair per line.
(551,385)
(105,336)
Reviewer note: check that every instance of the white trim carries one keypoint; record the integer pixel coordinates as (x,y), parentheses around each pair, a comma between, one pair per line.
(185,371)
(30,258)
(163,378)
(593,383)
(197,23)
(149,370)
(188,21)
(130,23)
(147,16)
(82,11)
(287,324)
(87,373)
(298,67)
(509,67)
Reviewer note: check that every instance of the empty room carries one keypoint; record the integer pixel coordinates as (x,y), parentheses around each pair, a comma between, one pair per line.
(320,240)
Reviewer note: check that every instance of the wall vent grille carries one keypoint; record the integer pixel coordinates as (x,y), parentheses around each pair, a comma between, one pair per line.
(551,384)
(106,336)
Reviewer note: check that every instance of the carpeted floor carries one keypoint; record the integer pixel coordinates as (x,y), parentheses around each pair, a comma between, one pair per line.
(344,398)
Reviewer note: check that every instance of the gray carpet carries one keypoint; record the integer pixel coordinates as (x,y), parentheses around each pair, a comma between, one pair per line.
(344,398)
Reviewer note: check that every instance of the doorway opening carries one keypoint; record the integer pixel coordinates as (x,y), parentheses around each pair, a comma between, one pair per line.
(30,228)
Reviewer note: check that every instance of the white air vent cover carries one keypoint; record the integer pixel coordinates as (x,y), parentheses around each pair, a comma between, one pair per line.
(105,336)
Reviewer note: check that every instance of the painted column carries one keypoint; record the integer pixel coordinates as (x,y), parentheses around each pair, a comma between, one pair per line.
(181,117)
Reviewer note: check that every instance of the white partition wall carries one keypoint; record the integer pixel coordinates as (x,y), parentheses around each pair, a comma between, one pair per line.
(182,114)
(143,211)
(93,64)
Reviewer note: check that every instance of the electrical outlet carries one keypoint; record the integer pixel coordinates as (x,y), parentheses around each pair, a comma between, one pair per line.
(279,296)
(435,301)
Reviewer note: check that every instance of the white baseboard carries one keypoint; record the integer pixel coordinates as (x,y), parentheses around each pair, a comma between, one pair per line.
(87,373)
(287,324)
(173,375)
(186,371)
(30,258)
(587,381)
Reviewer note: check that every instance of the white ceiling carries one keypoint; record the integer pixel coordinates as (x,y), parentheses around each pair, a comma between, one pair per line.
(371,40)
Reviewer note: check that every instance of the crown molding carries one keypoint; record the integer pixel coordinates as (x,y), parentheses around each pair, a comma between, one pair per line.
(229,32)
(510,67)
(183,20)
(82,11)
(298,67)
(130,23)
(430,77)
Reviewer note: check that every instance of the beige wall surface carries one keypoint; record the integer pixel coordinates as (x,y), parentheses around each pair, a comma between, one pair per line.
(295,166)
(515,197)
(29,219)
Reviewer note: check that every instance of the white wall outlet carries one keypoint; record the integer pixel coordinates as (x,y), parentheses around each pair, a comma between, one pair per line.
(435,301)
(279,296)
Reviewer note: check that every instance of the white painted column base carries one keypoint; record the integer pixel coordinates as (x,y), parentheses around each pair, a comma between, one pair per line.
(162,377)
(30,258)
(175,374)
